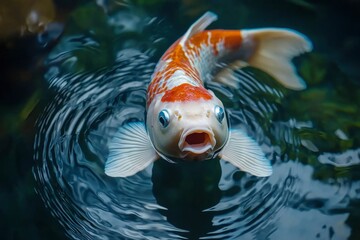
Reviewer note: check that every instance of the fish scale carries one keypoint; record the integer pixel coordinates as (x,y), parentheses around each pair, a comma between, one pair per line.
(192,61)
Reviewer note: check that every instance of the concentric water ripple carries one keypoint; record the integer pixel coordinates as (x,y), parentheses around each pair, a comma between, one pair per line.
(71,147)
(209,200)
(206,200)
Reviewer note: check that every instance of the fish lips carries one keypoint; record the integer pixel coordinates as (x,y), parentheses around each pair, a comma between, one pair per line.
(197,142)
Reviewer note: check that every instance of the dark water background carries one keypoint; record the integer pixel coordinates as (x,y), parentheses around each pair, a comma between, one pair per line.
(76,70)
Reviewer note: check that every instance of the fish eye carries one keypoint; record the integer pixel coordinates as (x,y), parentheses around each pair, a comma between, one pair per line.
(219,113)
(164,118)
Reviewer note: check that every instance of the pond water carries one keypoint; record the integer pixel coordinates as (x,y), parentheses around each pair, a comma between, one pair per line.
(96,78)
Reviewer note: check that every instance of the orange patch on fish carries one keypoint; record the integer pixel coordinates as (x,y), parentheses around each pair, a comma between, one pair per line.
(231,39)
(186,92)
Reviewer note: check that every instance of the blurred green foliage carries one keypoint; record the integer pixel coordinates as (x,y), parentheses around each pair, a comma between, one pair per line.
(331,103)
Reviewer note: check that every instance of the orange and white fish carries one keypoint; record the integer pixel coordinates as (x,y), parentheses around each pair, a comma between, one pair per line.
(185,120)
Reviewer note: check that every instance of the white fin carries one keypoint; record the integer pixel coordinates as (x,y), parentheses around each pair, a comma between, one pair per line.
(274,49)
(198,26)
(244,153)
(130,151)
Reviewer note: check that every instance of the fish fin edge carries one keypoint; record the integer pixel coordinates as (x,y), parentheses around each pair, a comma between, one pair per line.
(273,51)
(130,151)
(245,153)
(200,25)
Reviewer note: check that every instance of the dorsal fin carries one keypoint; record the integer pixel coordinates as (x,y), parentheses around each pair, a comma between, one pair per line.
(198,26)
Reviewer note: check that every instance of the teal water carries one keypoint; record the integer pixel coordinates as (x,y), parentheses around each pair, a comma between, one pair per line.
(94,78)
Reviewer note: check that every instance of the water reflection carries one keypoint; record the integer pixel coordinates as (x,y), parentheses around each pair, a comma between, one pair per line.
(279,207)
(71,147)
(187,190)
(207,200)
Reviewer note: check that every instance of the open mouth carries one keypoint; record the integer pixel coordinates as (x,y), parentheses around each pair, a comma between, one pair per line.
(197,141)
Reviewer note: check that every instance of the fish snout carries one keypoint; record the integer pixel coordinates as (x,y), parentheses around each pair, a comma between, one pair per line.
(197,141)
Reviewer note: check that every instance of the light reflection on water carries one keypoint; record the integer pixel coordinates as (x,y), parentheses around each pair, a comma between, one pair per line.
(207,200)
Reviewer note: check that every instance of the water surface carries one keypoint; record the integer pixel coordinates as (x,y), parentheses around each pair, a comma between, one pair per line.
(97,77)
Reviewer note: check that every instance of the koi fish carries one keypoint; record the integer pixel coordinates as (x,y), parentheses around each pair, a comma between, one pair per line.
(187,122)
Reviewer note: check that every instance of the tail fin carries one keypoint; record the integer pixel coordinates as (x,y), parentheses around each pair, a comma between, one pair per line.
(274,49)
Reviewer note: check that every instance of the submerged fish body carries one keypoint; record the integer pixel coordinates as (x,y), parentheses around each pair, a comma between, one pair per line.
(186,121)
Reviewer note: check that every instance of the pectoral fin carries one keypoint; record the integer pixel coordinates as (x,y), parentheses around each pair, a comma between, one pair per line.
(244,153)
(130,151)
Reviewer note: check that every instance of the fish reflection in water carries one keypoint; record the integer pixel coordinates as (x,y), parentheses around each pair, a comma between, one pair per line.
(187,190)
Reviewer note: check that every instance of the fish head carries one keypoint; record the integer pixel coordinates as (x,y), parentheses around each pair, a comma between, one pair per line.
(188,130)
